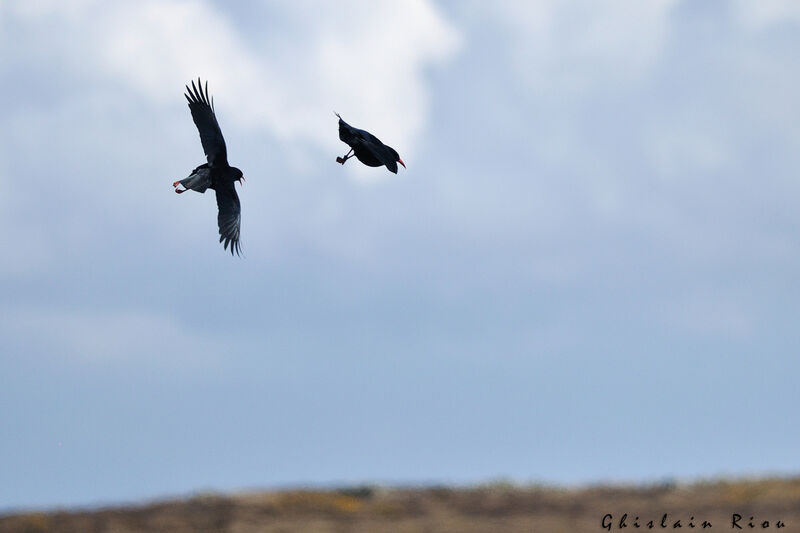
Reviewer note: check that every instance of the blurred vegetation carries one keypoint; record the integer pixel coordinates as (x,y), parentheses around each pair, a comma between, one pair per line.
(496,507)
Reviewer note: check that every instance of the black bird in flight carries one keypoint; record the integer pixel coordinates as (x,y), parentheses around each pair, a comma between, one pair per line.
(216,174)
(368,148)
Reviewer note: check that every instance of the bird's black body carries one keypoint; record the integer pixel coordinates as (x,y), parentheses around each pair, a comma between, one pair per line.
(216,173)
(367,148)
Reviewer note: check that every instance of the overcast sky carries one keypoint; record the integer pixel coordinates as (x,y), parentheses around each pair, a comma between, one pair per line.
(589,271)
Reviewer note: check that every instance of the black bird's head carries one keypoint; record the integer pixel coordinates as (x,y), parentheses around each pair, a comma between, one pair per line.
(396,156)
(237,175)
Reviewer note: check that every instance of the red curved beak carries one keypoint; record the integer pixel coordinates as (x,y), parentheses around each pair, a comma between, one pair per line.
(401,162)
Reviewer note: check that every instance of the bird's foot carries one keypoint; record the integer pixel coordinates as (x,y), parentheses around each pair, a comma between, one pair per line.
(340,160)
(175,184)
(181,191)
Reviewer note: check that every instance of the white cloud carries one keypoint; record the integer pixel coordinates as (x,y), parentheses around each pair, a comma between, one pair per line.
(42,8)
(762,14)
(365,60)
(572,46)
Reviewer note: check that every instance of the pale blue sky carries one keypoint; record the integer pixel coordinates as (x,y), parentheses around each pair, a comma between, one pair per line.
(588,272)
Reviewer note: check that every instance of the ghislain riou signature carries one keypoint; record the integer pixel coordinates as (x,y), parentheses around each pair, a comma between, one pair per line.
(737,521)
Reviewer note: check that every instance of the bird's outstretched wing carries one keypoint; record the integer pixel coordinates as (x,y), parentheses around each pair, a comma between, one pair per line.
(362,140)
(202,109)
(230,216)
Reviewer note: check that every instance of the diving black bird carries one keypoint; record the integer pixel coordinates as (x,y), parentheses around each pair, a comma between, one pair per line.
(367,148)
(216,173)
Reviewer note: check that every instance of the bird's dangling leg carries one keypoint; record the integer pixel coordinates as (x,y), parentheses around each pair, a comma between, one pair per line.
(342,160)
(176,187)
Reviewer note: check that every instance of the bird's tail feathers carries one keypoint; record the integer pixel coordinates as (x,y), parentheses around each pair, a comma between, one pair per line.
(199,180)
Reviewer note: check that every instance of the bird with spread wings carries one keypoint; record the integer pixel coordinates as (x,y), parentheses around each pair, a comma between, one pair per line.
(216,173)
(367,148)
